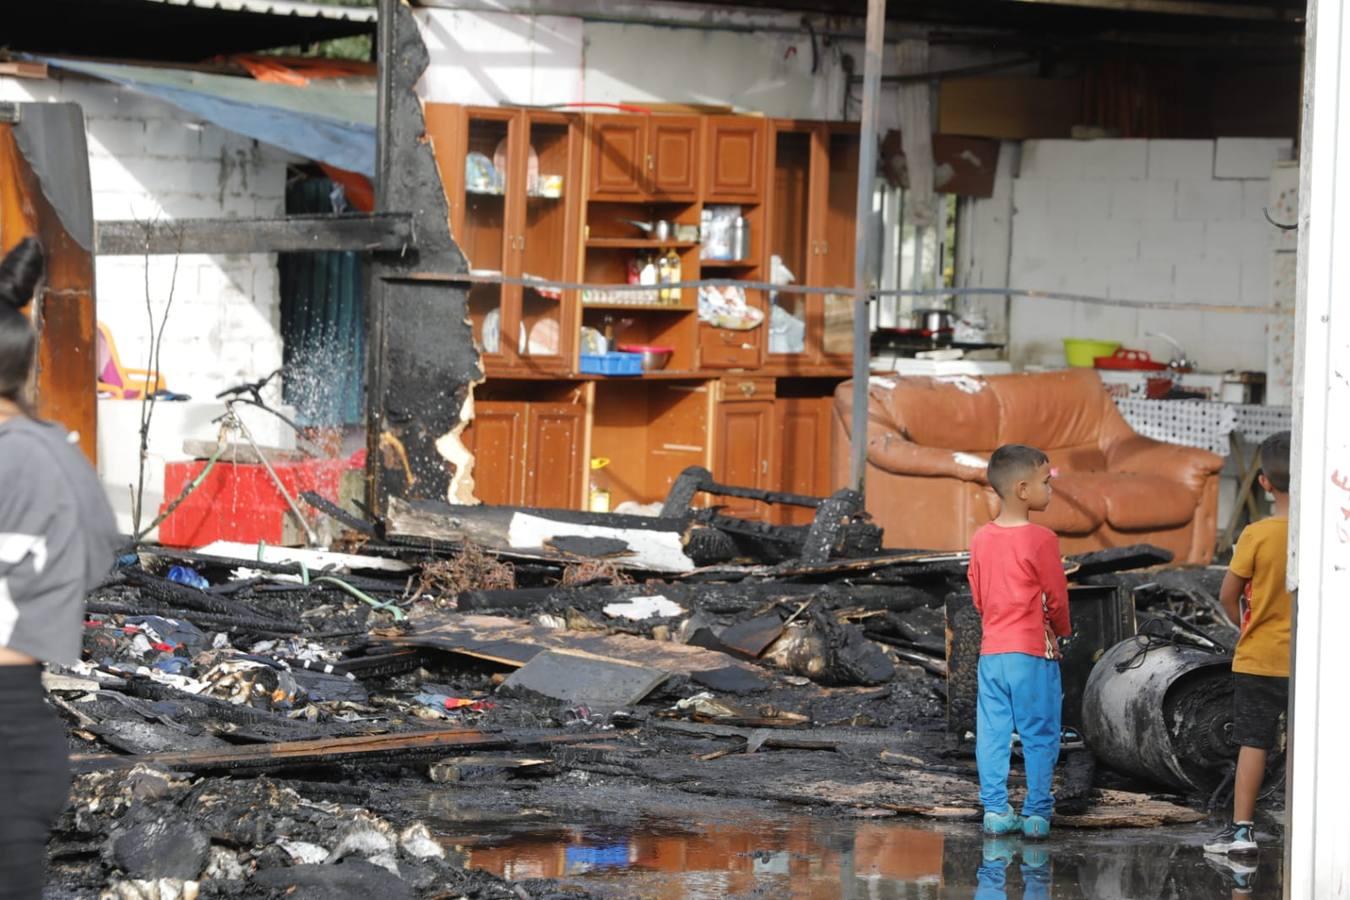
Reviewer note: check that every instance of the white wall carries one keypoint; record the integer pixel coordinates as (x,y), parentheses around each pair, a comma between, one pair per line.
(490,59)
(149,160)
(1144,220)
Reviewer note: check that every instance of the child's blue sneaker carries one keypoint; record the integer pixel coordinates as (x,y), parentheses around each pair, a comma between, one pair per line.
(1007,822)
(1036,827)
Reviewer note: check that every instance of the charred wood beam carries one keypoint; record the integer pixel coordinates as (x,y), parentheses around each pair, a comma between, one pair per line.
(421,362)
(833,515)
(325,751)
(696,479)
(389,231)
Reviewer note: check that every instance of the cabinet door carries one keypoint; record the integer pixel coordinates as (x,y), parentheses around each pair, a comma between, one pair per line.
(803,427)
(672,157)
(744,453)
(833,322)
(549,237)
(797,150)
(734,159)
(496,438)
(618,157)
(487,213)
(553,455)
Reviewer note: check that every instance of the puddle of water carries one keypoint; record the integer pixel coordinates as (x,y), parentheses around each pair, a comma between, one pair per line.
(807,857)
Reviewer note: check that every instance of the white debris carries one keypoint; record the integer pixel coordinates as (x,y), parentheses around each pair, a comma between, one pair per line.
(639,608)
(302,852)
(223,865)
(416,840)
(161,889)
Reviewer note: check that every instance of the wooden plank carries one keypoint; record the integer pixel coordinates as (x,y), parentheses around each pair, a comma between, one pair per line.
(515,643)
(257,757)
(657,544)
(289,234)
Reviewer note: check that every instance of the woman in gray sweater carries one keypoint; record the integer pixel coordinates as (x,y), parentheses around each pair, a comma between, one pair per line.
(57,540)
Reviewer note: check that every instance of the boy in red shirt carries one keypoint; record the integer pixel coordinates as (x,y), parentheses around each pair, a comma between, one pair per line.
(1020,591)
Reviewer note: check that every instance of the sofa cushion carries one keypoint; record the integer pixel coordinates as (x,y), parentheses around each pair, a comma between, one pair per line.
(1050,409)
(1143,502)
(1076,508)
(954,413)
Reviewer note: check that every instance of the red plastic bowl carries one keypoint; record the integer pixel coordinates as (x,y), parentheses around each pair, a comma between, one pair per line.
(1135,360)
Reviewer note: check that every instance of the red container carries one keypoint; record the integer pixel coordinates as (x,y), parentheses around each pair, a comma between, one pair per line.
(238,502)
(1137,360)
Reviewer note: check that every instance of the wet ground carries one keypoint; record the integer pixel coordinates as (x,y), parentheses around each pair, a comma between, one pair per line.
(765,851)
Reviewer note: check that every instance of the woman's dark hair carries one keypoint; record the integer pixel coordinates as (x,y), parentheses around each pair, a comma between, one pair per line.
(19,274)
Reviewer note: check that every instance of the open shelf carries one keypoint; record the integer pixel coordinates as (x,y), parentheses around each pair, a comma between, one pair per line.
(728,263)
(654,307)
(638,244)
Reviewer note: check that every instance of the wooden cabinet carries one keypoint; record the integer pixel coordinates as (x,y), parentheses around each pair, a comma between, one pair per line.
(512,181)
(744,441)
(495,438)
(673,157)
(804,429)
(618,146)
(734,159)
(811,208)
(636,158)
(528,453)
(545,194)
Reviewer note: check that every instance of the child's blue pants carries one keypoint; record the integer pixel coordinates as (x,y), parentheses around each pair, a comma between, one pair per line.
(1022,693)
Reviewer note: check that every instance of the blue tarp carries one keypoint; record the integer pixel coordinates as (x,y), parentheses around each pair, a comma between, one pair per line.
(320,122)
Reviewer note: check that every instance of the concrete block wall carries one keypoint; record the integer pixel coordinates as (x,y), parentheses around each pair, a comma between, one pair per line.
(1161,220)
(149,160)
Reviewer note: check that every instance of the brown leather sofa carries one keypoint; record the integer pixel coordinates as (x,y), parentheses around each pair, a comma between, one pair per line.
(928,440)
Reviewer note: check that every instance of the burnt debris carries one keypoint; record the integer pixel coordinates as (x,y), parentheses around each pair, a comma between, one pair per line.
(279,715)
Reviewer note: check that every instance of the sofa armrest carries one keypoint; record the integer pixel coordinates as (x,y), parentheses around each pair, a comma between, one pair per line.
(893,452)
(1144,456)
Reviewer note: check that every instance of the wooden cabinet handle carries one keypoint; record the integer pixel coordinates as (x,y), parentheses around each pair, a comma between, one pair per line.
(747,388)
(651,163)
(764,467)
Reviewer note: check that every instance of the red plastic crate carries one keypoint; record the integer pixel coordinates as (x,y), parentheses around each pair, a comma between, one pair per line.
(240,502)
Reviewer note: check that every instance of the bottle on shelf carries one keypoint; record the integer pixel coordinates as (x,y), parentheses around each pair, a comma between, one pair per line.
(599,492)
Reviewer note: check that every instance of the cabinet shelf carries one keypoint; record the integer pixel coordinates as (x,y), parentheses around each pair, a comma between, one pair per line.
(728,263)
(650,307)
(603,243)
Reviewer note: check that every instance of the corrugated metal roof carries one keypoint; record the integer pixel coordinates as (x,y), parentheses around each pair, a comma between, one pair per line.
(282,8)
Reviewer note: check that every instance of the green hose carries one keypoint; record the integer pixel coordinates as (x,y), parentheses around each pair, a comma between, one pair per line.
(397,613)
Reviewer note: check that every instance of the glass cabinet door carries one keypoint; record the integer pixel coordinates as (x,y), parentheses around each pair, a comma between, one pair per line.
(485,237)
(789,243)
(837,248)
(548,233)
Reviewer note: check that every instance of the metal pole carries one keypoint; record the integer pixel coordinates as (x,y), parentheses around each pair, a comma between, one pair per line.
(867,167)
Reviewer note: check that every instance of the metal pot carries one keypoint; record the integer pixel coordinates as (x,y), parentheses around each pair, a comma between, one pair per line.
(936,320)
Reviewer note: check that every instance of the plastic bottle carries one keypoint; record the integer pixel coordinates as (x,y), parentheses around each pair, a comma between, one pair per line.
(599,496)
(673,265)
(189,577)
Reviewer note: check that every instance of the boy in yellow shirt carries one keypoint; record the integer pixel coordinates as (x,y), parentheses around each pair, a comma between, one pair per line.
(1261,660)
